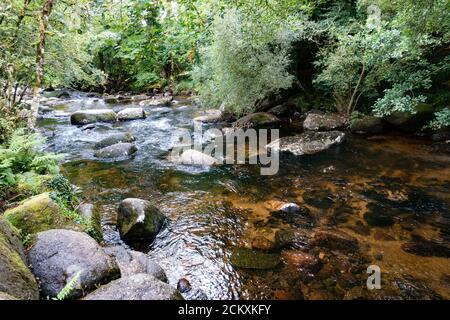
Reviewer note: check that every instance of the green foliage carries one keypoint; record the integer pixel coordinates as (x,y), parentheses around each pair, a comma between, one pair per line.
(69,287)
(441,121)
(66,193)
(245,62)
(22,160)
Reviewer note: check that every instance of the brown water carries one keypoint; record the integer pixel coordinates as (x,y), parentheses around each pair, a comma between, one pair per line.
(391,193)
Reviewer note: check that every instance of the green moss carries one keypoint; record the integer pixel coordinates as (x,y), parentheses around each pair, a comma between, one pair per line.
(42,213)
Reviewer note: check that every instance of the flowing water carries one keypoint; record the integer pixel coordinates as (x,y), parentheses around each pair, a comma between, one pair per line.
(390,193)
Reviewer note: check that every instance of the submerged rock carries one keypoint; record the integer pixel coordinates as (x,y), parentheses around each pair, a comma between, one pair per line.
(138,220)
(300,259)
(133,262)
(426,248)
(84,117)
(262,243)
(16,280)
(319,121)
(136,287)
(118,150)
(122,137)
(256,120)
(197,158)
(307,142)
(250,259)
(131,114)
(335,240)
(59,255)
(378,216)
(209,116)
(39,213)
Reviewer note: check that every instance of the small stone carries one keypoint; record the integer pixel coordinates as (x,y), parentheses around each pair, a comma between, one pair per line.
(262,243)
(184,285)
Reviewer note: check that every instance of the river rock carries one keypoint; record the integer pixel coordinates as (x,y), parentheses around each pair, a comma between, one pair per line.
(89,212)
(133,262)
(319,121)
(157,101)
(118,150)
(136,287)
(209,116)
(131,114)
(307,142)
(256,120)
(367,125)
(300,259)
(251,259)
(335,240)
(412,122)
(58,255)
(184,285)
(122,137)
(59,94)
(426,248)
(138,220)
(16,280)
(39,213)
(84,117)
(197,158)
(262,243)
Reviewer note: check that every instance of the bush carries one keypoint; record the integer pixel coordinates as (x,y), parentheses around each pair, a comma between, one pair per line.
(246,61)
(23,161)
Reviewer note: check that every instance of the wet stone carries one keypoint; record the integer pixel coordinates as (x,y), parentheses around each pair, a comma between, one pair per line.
(426,248)
(184,285)
(322,199)
(250,259)
(262,243)
(335,240)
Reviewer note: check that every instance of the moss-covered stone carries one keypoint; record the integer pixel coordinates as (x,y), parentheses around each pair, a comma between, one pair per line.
(367,125)
(412,122)
(40,213)
(16,280)
(257,120)
(31,184)
(90,116)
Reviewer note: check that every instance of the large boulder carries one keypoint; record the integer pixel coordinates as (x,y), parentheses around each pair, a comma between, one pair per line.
(209,116)
(57,256)
(367,125)
(197,158)
(122,137)
(412,122)
(307,143)
(133,262)
(84,117)
(157,101)
(319,121)
(39,213)
(256,120)
(131,114)
(138,220)
(16,280)
(118,150)
(136,287)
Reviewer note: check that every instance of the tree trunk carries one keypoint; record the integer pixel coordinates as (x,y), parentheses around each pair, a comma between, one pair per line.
(40,53)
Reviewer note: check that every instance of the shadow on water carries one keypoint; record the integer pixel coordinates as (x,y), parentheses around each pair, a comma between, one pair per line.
(389,195)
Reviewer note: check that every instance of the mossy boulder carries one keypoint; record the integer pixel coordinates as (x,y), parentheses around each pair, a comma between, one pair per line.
(139,221)
(16,280)
(412,122)
(118,150)
(319,121)
(257,120)
(366,124)
(39,213)
(84,117)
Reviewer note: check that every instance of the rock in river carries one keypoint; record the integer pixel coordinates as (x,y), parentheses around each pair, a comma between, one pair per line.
(197,158)
(84,117)
(122,137)
(136,287)
(307,142)
(324,121)
(256,120)
(365,124)
(16,280)
(131,114)
(138,220)
(58,255)
(251,259)
(210,116)
(118,150)
(133,262)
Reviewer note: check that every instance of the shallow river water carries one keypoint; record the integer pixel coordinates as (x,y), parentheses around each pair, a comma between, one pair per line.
(389,194)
